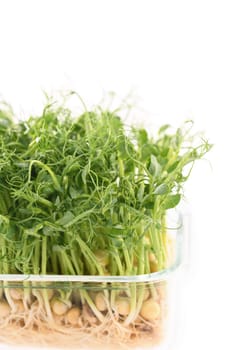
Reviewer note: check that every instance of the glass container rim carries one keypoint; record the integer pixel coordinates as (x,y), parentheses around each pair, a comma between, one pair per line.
(151,277)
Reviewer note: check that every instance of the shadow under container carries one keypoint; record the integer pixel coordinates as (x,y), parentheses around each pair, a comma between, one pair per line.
(92,312)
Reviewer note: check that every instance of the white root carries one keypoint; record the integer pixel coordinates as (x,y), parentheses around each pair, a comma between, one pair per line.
(16,293)
(88,315)
(19,306)
(162,291)
(75,325)
(146,294)
(108,333)
(8,297)
(155,295)
(5,309)
(49,293)
(59,319)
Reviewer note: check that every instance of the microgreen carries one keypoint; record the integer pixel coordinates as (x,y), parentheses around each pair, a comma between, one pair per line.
(71,187)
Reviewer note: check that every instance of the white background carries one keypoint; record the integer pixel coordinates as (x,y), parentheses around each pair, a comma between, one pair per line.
(177,56)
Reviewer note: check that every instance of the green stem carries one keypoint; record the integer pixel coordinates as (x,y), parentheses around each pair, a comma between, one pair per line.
(140,299)
(93,263)
(36,258)
(44,255)
(62,263)
(133,304)
(47,168)
(128,261)
(141,262)
(69,267)
(89,301)
(4,262)
(117,259)
(121,167)
(5,270)
(75,261)
(54,262)
(164,240)
(146,261)
(157,245)
(44,291)
(113,266)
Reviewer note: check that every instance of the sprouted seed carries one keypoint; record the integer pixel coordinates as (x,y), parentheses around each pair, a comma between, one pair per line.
(73,316)
(59,307)
(122,306)
(100,302)
(87,195)
(150,310)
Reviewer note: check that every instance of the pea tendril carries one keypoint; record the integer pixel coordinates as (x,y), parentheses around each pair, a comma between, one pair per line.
(71,187)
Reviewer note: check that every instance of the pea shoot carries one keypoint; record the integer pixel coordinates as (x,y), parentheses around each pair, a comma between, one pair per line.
(87,195)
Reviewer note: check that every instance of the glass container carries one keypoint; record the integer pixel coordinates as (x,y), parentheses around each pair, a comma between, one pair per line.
(94,312)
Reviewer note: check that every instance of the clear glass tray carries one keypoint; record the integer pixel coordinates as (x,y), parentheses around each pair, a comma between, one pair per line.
(93,312)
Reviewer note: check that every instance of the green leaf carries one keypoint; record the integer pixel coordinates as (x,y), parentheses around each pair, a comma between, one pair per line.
(79,217)
(142,136)
(76,185)
(4,220)
(155,167)
(161,189)
(84,173)
(3,207)
(34,230)
(163,128)
(73,192)
(149,205)
(146,151)
(171,201)
(173,166)
(67,217)
(140,192)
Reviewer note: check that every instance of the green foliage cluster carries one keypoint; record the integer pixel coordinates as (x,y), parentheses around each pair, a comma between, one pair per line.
(75,191)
